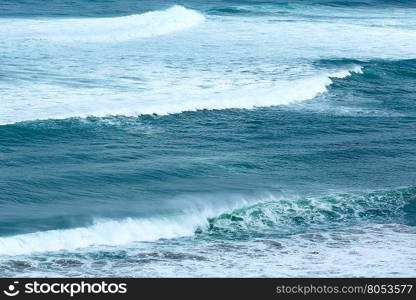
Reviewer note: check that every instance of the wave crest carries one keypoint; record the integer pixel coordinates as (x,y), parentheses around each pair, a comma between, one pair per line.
(69,103)
(280,215)
(116,29)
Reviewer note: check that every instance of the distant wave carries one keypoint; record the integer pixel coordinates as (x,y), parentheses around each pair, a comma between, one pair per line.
(116,29)
(66,105)
(284,216)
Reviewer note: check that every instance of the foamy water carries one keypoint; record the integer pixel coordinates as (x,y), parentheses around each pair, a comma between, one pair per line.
(237,139)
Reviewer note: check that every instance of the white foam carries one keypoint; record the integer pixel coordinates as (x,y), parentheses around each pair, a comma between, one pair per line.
(116,29)
(40,102)
(372,250)
(101,233)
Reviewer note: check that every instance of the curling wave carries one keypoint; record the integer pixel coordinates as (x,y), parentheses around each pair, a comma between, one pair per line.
(287,217)
(281,215)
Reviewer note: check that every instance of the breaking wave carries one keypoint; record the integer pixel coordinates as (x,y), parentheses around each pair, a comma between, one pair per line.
(66,104)
(115,29)
(283,216)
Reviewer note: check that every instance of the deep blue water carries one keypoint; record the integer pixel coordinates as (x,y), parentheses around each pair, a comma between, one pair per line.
(207,138)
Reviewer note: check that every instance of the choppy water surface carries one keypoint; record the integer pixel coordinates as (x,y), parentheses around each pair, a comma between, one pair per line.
(228,138)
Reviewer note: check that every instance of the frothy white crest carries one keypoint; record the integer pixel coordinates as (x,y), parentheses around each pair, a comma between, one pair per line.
(101,233)
(65,104)
(116,29)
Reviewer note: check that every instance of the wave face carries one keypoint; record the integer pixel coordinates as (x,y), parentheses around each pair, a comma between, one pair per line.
(287,217)
(239,138)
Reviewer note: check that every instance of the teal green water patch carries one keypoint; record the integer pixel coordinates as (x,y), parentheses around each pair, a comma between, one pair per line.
(281,217)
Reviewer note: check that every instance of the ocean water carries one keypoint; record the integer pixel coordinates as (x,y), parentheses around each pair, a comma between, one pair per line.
(207,138)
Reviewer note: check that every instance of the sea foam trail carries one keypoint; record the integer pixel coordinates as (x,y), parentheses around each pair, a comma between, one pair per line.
(53,102)
(116,29)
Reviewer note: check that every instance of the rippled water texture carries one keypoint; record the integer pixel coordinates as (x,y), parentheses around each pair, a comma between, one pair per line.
(228,138)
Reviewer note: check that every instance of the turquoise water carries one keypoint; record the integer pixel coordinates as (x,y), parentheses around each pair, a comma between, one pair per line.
(220,138)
